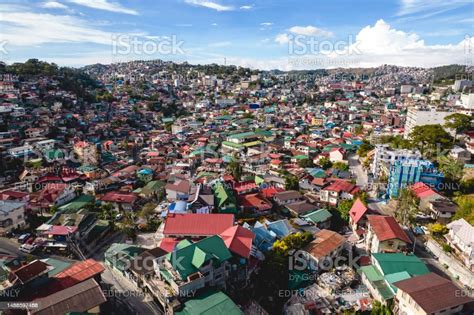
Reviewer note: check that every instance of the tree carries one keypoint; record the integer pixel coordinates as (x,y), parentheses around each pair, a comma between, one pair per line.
(408,203)
(380,309)
(235,169)
(466,208)
(364,148)
(429,138)
(291,182)
(457,122)
(438,229)
(147,211)
(452,169)
(325,163)
(293,241)
(341,166)
(305,163)
(344,207)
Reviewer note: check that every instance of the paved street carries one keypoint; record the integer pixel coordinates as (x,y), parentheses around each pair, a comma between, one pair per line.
(362,179)
(127,293)
(9,247)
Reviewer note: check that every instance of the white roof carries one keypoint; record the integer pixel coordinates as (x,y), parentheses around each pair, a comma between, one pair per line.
(463,230)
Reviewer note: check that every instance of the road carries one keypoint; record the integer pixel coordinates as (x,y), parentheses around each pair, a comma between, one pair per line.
(121,291)
(9,247)
(356,168)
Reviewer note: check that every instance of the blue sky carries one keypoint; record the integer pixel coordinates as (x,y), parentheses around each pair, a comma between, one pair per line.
(255,33)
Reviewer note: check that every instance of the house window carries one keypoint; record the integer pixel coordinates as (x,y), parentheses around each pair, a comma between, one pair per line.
(20,216)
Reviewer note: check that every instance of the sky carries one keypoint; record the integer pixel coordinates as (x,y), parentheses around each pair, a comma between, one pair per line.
(262,34)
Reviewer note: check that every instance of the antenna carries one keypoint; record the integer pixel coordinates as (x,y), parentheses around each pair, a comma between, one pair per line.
(225,61)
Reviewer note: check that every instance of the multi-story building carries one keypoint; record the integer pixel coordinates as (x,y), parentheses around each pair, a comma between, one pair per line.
(407,172)
(385,157)
(12,216)
(459,85)
(189,268)
(420,116)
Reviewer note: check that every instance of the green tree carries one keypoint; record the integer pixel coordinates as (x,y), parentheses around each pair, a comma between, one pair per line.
(458,122)
(147,211)
(325,163)
(341,166)
(438,229)
(408,203)
(344,208)
(466,208)
(305,163)
(291,182)
(235,169)
(452,169)
(430,138)
(364,148)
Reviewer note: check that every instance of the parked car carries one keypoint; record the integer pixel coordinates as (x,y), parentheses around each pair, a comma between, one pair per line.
(28,248)
(23,238)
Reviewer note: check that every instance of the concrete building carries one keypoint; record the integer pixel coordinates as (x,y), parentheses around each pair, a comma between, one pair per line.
(407,172)
(424,116)
(385,157)
(12,216)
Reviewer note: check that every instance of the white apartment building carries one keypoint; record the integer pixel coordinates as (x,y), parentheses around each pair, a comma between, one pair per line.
(424,116)
(12,216)
(466,101)
(385,156)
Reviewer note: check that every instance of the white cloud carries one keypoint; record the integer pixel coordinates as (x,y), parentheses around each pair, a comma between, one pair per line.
(214,24)
(438,6)
(310,31)
(220,44)
(210,5)
(21,27)
(266,24)
(104,5)
(53,5)
(282,38)
(246,7)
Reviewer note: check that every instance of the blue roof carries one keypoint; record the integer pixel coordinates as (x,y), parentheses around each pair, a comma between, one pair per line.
(281,228)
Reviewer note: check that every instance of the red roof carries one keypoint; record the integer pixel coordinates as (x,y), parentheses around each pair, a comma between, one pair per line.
(342,185)
(194,224)
(271,191)
(357,211)
(79,272)
(386,228)
(422,190)
(119,197)
(254,201)
(238,240)
(168,244)
(60,230)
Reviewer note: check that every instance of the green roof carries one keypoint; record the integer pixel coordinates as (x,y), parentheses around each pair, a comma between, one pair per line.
(193,256)
(371,273)
(77,204)
(377,281)
(232,144)
(318,216)
(398,262)
(243,135)
(153,186)
(251,144)
(119,254)
(59,265)
(210,303)
(395,277)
